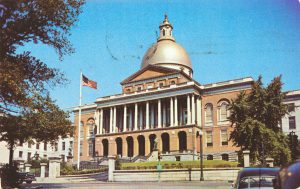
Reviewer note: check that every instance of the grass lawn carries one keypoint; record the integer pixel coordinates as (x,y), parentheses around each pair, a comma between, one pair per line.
(179,164)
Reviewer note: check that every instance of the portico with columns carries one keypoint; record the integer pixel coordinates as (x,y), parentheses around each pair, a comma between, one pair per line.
(127,121)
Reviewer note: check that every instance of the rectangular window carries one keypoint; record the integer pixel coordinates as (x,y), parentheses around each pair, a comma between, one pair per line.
(71,145)
(37,146)
(209,138)
(20,154)
(224,137)
(91,149)
(28,156)
(291,107)
(139,88)
(80,149)
(29,144)
(63,145)
(45,146)
(56,146)
(292,122)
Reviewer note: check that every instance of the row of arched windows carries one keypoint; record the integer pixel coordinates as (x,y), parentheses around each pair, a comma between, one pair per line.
(224,157)
(222,112)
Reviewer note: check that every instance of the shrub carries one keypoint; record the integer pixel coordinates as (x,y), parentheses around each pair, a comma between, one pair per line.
(66,169)
(69,170)
(9,176)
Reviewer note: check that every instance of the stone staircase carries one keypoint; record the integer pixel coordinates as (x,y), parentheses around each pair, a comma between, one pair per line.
(86,178)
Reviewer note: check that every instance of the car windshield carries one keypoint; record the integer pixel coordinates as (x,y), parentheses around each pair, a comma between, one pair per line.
(256,182)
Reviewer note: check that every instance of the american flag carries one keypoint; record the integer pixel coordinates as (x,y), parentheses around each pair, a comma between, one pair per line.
(89,83)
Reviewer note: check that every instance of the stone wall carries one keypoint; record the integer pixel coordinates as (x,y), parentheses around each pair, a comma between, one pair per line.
(175,175)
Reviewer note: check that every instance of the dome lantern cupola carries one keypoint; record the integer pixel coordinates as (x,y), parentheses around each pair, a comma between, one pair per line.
(166,30)
(166,52)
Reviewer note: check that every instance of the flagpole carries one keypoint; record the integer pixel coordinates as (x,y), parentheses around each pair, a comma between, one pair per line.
(79,122)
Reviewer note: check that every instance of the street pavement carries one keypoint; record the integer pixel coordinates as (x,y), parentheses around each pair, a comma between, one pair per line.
(135,185)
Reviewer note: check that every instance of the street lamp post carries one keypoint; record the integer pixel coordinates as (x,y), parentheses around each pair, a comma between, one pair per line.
(292,143)
(201,156)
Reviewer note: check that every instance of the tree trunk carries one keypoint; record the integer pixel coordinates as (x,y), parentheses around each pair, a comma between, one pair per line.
(11,155)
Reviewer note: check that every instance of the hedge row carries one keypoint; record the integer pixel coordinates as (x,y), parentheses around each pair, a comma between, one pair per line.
(176,165)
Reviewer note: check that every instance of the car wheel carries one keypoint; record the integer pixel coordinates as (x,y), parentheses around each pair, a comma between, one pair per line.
(28,182)
(20,182)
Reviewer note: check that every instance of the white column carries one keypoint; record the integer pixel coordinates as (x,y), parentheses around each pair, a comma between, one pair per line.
(188,109)
(140,125)
(171,112)
(43,170)
(115,120)
(111,168)
(147,115)
(193,109)
(164,114)
(199,111)
(135,116)
(130,119)
(159,113)
(96,116)
(125,118)
(176,111)
(101,122)
(111,120)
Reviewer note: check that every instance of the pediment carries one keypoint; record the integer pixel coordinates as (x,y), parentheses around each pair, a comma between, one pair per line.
(150,71)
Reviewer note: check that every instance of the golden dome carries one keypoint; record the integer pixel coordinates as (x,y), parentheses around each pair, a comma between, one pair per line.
(166,52)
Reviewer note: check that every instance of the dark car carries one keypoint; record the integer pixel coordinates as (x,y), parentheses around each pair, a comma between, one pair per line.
(289,177)
(26,177)
(262,178)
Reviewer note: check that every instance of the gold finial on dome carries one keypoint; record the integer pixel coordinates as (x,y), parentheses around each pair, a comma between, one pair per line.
(166,30)
(166,18)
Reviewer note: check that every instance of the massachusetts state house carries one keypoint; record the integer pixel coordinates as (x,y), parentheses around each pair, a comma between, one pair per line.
(161,103)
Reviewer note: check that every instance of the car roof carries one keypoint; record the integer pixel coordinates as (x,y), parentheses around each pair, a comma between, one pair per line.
(290,176)
(258,171)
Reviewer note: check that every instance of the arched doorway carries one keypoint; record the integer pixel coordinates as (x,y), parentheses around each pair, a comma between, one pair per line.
(129,146)
(152,138)
(210,157)
(141,141)
(119,146)
(225,157)
(182,141)
(105,147)
(165,138)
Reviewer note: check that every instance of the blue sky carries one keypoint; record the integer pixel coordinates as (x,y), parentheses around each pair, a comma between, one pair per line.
(226,39)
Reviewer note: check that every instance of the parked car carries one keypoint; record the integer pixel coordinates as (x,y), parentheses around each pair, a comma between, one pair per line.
(254,178)
(289,177)
(26,177)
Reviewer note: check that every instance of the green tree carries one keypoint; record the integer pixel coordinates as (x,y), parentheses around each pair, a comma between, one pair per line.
(27,111)
(255,117)
(293,145)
